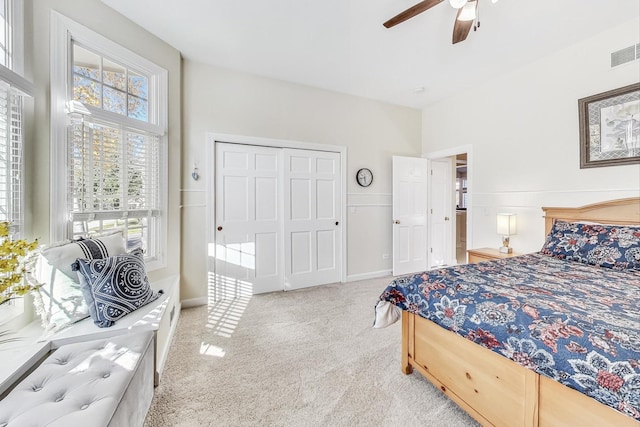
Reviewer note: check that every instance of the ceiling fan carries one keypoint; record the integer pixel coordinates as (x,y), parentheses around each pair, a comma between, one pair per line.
(467,14)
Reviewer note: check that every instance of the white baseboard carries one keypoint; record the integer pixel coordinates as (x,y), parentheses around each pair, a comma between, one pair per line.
(194,302)
(370,275)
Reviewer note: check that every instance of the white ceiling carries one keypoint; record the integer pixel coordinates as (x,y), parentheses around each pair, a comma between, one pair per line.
(342,46)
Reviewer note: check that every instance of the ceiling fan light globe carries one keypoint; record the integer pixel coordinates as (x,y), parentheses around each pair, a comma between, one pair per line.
(468,12)
(457,4)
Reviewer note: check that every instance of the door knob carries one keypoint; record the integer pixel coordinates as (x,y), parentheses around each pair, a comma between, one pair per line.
(396,222)
(337,223)
(446,218)
(219,228)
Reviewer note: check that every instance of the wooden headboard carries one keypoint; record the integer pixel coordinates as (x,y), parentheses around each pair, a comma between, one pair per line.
(621,211)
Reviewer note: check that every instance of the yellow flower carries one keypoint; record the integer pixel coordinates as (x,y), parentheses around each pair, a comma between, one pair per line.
(16,258)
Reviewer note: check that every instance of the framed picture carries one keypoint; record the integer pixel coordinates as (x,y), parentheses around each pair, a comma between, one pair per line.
(610,128)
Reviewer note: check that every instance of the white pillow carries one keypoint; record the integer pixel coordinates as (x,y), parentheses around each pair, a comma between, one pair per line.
(60,302)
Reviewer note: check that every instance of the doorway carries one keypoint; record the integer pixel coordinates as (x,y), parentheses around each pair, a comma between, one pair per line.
(441,212)
(461,186)
(454,197)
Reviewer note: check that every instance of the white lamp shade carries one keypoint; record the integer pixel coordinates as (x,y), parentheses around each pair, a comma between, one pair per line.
(468,11)
(506,224)
(457,4)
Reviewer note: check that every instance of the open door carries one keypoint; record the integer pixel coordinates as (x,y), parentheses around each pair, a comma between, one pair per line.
(409,214)
(441,213)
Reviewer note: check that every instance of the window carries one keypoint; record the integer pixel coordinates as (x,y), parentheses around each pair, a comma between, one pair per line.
(10,156)
(105,84)
(114,168)
(114,139)
(6,32)
(15,92)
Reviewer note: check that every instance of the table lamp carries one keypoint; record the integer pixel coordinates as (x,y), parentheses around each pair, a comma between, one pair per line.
(506,227)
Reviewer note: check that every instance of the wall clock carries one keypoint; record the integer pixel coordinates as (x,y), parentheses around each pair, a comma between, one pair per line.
(364,177)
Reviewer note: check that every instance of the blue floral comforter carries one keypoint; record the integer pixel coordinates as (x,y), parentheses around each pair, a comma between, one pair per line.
(575,323)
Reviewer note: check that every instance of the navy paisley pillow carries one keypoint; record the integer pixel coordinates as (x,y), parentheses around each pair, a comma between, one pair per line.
(115,286)
(610,246)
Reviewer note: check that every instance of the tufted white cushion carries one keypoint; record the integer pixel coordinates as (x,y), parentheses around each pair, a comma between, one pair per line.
(81,383)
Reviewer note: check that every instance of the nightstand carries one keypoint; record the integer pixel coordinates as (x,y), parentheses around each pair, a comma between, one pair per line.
(486,254)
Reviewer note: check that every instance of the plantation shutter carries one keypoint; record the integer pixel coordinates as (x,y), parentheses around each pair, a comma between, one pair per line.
(11,157)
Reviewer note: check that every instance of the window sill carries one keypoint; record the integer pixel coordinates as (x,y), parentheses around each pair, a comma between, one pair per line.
(10,313)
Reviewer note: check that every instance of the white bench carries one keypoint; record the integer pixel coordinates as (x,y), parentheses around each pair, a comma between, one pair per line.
(159,316)
(104,382)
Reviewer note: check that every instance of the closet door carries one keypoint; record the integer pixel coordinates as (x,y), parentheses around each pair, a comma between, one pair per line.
(248,212)
(312,218)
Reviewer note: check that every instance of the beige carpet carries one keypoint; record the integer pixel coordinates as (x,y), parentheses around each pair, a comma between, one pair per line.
(302,358)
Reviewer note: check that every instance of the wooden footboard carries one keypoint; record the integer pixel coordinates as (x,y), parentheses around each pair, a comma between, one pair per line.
(493,389)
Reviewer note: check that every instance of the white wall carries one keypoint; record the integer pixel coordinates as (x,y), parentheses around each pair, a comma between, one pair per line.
(105,21)
(216,100)
(523,127)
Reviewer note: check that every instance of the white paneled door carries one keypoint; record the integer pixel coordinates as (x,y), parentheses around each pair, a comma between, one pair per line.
(278,218)
(312,215)
(409,215)
(442,213)
(248,219)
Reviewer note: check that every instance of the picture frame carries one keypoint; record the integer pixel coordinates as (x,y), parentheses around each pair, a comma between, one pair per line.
(610,128)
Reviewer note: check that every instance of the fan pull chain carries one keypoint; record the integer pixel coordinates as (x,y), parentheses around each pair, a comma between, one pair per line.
(476,25)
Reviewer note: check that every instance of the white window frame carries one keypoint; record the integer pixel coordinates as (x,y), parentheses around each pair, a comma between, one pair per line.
(13,76)
(63,31)
(11,314)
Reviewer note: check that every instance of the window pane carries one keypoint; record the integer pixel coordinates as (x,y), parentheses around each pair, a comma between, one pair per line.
(4,24)
(138,108)
(142,171)
(101,180)
(86,91)
(138,85)
(79,158)
(86,76)
(114,100)
(114,75)
(5,197)
(136,230)
(103,83)
(107,157)
(86,63)
(10,156)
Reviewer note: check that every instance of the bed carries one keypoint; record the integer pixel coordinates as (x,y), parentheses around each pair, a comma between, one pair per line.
(469,365)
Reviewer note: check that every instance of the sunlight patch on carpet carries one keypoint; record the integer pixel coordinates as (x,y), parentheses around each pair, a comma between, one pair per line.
(227,304)
(211,350)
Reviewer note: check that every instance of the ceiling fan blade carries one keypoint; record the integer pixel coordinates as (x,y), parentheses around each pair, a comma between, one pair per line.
(461,29)
(411,12)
